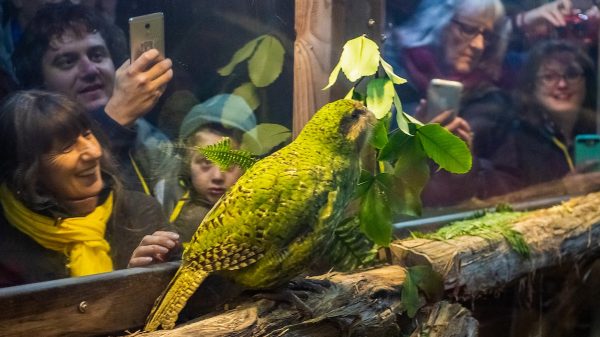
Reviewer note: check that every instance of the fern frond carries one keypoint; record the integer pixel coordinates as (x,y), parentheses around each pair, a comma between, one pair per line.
(224,156)
(490,226)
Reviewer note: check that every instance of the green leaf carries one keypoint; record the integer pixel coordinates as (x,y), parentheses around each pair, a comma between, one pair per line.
(364,184)
(239,56)
(379,137)
(390,72)
(380,96)
(360,58)
(402,124)
(247,91)
(410,296)
(375,216)
(224,156)
(447,150)
(411,173)
(350,94)
(334,75)
(430,282)
(412,119)
(266,64)
(264,137)
(395,145)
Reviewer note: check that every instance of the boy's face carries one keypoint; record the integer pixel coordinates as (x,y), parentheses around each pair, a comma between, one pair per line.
(79,67)
(207,179)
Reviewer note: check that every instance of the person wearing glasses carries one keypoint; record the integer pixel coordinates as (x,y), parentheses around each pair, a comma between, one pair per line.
(556,101)
(465,41)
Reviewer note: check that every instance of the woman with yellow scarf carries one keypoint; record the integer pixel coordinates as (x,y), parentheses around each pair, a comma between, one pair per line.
(63,211)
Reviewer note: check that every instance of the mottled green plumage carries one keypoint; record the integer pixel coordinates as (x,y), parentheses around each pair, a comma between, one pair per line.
(279,216)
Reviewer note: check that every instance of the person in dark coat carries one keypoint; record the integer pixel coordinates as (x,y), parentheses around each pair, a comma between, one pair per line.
(64,212)
(556,100)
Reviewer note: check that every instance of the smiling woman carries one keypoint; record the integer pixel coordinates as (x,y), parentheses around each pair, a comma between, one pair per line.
(556,100)
(63,211)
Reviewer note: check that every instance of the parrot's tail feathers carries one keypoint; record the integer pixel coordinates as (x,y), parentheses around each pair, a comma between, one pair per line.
(172,300)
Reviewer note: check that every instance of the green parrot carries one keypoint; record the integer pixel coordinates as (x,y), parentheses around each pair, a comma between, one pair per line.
(280,215)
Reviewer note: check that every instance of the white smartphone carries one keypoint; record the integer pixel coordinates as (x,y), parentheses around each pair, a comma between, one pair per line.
(442,95)
(146,32)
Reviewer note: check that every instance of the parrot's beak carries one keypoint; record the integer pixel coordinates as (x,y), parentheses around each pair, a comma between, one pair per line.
(361,130)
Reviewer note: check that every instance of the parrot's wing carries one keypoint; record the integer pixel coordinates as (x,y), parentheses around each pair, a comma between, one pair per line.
(265,208)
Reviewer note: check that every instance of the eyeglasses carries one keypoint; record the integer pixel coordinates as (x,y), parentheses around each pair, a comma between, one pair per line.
(552,79)
(469,32)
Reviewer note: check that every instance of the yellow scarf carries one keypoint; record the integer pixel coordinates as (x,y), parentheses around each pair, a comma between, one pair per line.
(80,238)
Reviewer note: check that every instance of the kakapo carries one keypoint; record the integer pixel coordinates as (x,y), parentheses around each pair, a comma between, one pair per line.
(279,216)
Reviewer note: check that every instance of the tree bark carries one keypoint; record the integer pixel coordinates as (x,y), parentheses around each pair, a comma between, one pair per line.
(366,303)
(472,265)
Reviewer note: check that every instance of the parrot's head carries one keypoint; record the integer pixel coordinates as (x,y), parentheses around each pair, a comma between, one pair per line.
(343,123)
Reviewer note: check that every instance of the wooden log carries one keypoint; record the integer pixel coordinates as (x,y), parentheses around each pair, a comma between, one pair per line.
(473,265)
(83,306)
(365,303)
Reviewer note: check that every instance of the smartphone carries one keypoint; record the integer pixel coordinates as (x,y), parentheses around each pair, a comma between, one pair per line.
(587,151)
(146,32)
(442,95)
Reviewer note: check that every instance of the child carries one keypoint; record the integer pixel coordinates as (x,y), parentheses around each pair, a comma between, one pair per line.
(203,182)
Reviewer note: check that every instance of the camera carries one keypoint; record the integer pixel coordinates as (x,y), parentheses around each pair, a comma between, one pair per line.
(580,28)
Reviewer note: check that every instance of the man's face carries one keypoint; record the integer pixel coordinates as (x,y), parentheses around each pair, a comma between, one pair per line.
(79,67)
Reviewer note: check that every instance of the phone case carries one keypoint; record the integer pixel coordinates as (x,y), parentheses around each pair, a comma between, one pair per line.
(442,95)
(587,150)
(146,32)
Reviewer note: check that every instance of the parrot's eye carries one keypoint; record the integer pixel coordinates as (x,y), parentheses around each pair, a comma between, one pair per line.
(357,113)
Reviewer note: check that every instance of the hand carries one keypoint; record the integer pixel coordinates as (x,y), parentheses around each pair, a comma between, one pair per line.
(552,12)
(580,183)
(153,248)
(457,125)
(138,86)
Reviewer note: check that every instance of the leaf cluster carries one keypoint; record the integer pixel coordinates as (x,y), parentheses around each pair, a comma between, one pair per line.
(404,153)
(265,55)
(489,225)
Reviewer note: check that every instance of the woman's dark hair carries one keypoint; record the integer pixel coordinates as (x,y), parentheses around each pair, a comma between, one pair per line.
(31,122)
(53,20)
(541,53)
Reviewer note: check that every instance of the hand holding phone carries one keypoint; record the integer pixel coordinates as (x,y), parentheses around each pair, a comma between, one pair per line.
(442,95)
(146,32)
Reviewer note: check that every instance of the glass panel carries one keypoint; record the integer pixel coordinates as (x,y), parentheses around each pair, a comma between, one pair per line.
(232,70)
(525,101)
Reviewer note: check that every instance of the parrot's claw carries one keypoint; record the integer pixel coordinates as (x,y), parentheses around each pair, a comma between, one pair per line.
(313,285)
(290,297)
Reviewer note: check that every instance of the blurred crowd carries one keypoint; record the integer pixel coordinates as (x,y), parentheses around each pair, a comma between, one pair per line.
(88,184)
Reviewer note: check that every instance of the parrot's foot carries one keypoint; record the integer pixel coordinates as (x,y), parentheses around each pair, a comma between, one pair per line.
(313,285)
(288,296)
(297,292)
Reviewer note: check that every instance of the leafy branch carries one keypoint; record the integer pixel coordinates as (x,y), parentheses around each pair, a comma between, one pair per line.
(394,187)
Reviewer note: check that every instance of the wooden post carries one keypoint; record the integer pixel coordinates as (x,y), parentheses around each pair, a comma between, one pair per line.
(322,28)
